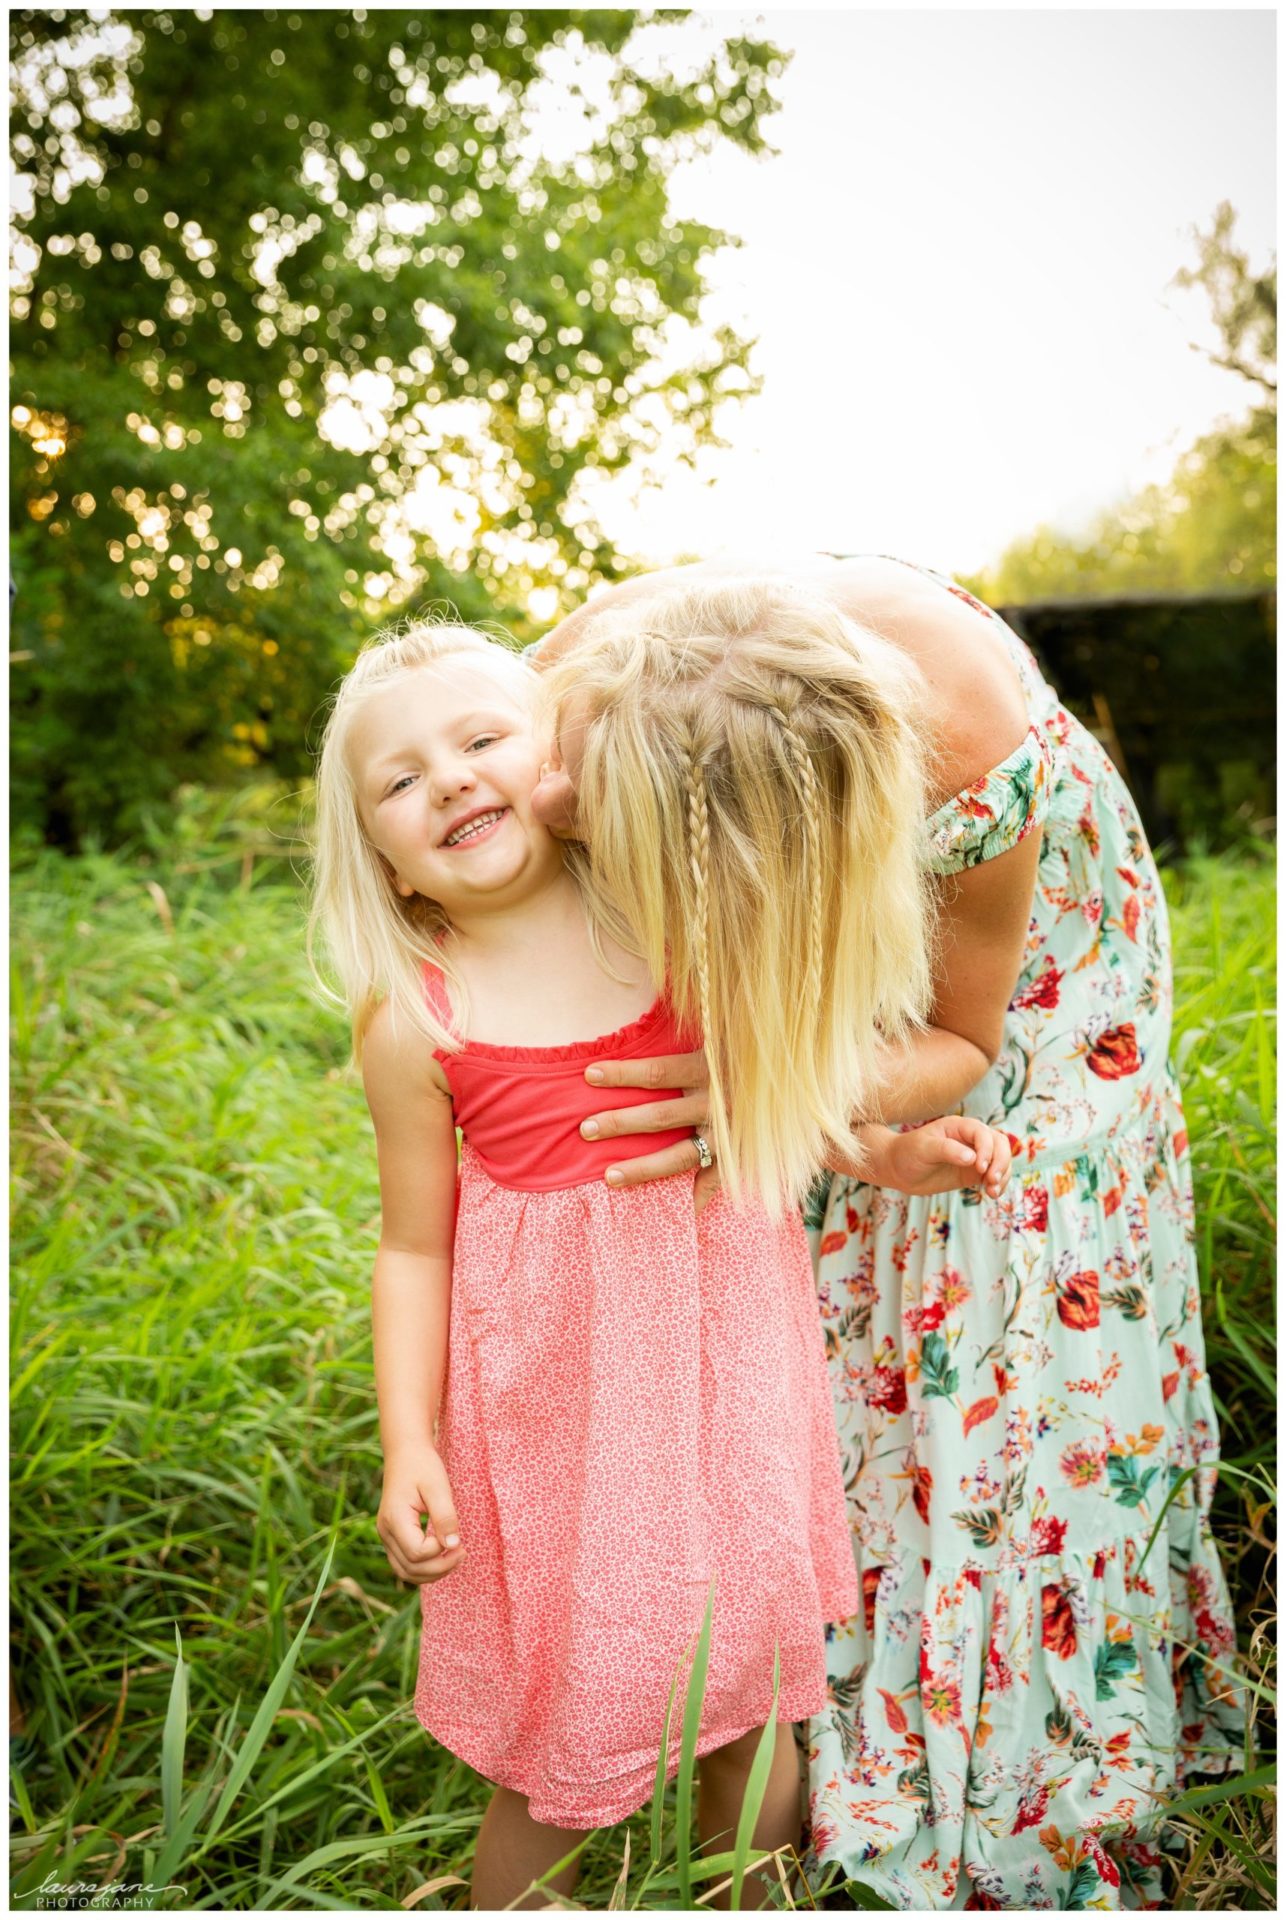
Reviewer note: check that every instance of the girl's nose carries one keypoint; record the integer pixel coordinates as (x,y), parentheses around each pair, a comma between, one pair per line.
(452,780)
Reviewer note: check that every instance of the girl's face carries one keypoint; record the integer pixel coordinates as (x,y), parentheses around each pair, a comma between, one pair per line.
(444,760)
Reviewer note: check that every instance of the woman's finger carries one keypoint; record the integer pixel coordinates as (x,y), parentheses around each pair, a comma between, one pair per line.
(704,1189)
(679,1072)
(656,1117)
(681,1158)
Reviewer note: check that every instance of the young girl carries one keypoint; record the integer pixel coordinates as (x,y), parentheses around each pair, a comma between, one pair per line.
(602,1399)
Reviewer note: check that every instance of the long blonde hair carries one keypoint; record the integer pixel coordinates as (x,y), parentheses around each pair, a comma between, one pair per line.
(377,942)
(752,797)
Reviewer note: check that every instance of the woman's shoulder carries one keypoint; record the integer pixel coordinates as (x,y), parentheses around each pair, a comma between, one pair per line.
(977,710)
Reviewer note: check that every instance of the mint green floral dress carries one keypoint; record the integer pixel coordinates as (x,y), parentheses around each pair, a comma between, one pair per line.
(1019,1385)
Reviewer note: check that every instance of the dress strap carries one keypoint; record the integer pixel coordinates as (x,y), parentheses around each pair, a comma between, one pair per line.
(436,995)
(995,812)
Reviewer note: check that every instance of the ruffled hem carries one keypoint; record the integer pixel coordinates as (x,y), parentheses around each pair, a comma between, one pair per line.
(1021,1727)
(603,1811)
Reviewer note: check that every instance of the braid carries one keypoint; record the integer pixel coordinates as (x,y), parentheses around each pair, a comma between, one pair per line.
(816,880)
(699,864)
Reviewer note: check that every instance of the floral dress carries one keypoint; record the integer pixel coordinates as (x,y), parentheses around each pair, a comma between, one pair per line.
(1020,1386)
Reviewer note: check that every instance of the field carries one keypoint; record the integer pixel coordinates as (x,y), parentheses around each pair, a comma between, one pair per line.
(214,1661)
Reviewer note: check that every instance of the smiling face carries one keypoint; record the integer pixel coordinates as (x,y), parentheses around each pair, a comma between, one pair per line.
(443,760)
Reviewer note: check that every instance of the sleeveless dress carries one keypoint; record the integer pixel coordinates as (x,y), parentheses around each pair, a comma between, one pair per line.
(636,1402)
(1020,1386)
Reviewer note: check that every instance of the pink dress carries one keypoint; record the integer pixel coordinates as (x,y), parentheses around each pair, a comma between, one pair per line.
(636,1402)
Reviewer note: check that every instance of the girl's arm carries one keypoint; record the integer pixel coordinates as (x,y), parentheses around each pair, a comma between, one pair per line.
(411,1291)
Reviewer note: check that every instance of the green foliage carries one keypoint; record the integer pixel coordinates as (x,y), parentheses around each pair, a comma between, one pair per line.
(295,287)
(1243,304)
(1213,523)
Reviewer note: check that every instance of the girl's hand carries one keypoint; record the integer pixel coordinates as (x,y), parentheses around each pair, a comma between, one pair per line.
(686,1075)
(415,1482)
(943,1156)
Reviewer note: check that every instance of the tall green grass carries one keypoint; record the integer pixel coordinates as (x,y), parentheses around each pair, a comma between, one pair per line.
(215,1663)
(1223,926)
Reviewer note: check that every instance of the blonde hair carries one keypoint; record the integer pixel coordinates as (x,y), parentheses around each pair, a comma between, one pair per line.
(376,940)
(752,796)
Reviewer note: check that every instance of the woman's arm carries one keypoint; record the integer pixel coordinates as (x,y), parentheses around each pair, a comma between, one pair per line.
(411,1287)
(983,920)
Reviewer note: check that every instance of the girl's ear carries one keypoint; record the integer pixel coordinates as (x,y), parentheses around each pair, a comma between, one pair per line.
(402,886)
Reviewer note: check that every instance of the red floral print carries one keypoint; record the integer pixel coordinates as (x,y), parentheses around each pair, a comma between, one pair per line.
(1057,1627)
(1048,1534)
(1043,990)
(1115,1053)
(1078,1302)
(886,1389)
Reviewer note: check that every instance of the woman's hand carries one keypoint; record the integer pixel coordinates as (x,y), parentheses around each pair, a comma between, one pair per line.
(415,1482)
(685,1077)
(942,1157)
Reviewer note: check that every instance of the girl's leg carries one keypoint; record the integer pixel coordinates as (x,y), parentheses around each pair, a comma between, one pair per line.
(722,1789)
(513,1850)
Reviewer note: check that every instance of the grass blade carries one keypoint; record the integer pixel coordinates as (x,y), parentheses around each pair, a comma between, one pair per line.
(174,1741)
(617,1902)
(663,1764)
(1239,1786)
(756,1787)
(688,1756)
(257,1733)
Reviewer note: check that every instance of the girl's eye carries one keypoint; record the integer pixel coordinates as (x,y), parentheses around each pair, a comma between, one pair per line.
(484,740)
(400,786)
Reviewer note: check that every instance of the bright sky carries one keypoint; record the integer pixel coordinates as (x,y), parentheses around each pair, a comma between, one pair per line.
(957,269)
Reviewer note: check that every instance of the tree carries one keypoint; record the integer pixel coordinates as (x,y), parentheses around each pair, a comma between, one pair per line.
(1243,304)
(310,322)
(1213,522)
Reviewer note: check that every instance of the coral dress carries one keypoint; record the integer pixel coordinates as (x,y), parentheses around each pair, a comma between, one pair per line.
(1020,1386)
(636,1402)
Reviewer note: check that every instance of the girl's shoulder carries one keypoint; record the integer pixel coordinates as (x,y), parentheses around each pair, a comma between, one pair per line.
(396,1050)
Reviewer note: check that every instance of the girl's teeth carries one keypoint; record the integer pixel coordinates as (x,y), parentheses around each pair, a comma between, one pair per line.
(474,828)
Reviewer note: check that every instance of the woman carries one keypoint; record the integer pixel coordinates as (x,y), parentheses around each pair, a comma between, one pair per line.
(1019,1382)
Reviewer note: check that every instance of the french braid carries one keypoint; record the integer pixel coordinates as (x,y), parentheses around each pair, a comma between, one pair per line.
(816,878)
(751,791)
(699,867)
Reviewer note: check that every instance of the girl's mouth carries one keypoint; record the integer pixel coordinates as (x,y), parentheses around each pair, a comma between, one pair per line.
(481,827)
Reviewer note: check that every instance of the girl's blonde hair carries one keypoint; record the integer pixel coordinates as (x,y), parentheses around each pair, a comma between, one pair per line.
(752,797)
(377,942)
